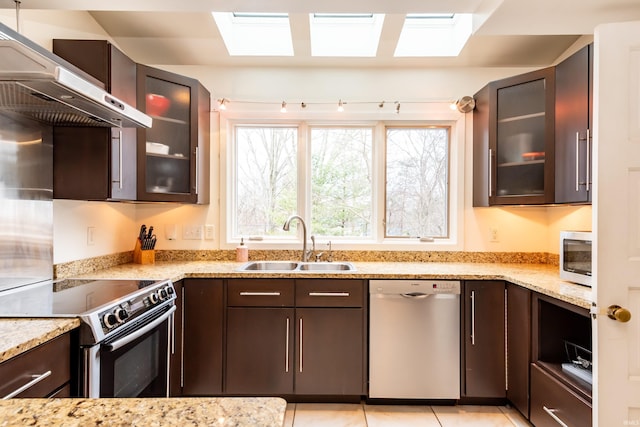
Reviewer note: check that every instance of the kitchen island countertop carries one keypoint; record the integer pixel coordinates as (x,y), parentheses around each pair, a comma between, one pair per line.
(225,411)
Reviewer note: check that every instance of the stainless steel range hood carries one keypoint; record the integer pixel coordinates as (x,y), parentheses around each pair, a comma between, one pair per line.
(36,83)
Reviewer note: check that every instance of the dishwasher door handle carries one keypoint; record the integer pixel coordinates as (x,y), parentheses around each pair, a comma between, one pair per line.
(415,295)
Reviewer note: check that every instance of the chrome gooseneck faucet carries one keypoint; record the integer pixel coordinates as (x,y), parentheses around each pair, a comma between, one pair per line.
(285,227)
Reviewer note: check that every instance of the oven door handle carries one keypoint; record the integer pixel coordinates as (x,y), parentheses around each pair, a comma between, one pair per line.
(138,333)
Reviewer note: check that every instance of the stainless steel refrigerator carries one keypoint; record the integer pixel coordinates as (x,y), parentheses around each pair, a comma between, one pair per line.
(26,215)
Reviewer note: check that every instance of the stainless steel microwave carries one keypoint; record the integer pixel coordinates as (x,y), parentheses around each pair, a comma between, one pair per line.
(575,257)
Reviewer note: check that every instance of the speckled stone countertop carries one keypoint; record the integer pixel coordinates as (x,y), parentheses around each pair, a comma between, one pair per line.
(20,335)
(542,278)
(239,412)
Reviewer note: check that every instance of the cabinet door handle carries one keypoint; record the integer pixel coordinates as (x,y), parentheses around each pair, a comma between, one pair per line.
(197,168)
(577,161)
(490,172)
(329,294)
(552,414)
(36,379)
(473,317)
(259,294)
(301,345)
(587,177)
(120,173)
(182,317)
(286,349)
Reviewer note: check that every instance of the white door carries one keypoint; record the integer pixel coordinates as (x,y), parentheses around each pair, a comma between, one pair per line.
(616,222)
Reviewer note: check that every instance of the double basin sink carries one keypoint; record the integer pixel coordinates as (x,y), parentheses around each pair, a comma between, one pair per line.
(295,266)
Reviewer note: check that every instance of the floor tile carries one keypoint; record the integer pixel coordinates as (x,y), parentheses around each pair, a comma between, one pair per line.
(329,414)
(471,416)
(400,416)
(515,416)
(289,414)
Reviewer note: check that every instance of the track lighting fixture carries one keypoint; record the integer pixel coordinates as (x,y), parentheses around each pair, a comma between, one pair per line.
(340,107)
(303,105)
(221,104)
(397,107)
(381,104)
(283,109)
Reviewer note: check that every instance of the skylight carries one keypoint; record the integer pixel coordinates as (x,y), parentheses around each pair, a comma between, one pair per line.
(349,34)
(255,34)
(434,34)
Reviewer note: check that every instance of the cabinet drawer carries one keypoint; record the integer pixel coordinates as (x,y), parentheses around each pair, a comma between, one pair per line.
(53,356)
(549,396)
(329,293)
(260,293)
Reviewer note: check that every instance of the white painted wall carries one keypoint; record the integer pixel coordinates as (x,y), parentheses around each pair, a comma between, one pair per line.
(519,229)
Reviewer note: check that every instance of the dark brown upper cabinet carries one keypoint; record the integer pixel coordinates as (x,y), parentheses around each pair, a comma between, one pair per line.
(574,113)
(513,140)
(173,155)
(97,163)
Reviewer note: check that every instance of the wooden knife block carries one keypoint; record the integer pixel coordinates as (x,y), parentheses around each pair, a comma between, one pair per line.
(143,256)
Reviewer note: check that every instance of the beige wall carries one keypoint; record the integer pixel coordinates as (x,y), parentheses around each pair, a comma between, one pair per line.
(116,224)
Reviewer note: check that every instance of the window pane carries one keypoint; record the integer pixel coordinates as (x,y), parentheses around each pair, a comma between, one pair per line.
(341,181)
(417,182)
(266,179)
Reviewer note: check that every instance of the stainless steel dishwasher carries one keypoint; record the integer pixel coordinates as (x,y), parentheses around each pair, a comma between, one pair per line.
(414,339)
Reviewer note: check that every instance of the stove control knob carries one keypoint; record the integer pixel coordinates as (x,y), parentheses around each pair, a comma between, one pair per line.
(163,294)
(110,320)
(170,290)
(153,298)
(121,314)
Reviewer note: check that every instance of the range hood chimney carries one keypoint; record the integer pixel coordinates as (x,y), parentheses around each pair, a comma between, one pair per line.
(36,83)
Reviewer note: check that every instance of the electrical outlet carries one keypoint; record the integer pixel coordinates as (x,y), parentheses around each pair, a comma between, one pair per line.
(192,232)
(91,236)
(493,235)
(209,232)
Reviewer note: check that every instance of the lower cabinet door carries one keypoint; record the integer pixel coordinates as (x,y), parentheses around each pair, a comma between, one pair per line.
(329,351)
(260,344)
(553,404)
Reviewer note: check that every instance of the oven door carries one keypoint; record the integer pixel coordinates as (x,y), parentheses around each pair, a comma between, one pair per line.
(135,364)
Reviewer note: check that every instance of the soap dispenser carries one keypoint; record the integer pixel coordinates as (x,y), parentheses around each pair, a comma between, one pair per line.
(242,252)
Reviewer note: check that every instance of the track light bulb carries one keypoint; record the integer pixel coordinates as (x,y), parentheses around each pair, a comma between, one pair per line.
(340,107)
(397,108)
(221,104)
(283,109)
(303,105)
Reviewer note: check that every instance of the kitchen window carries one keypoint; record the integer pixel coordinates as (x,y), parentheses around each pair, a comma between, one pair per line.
(387,184)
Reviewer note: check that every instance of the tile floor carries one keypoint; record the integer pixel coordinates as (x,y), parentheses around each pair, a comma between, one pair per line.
(363,415)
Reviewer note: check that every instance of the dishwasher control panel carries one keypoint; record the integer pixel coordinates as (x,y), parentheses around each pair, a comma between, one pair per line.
(425,287)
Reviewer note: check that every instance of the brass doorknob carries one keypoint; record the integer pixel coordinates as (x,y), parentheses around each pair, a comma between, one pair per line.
(618,313)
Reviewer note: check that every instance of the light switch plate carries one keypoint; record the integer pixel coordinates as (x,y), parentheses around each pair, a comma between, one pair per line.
(192,232)
(209,232)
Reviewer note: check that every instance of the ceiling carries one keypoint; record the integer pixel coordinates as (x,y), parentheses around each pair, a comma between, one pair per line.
(507,33)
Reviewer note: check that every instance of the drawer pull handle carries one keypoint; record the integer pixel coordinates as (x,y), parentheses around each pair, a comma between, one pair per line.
(260,294)
(36,379)
(329,294)
(552,414)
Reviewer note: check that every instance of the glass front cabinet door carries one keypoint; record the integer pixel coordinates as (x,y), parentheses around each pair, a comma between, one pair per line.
(514,141)
(173,155)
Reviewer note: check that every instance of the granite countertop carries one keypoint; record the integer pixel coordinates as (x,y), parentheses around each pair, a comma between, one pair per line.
(542,278)
(226,411)
(20,335)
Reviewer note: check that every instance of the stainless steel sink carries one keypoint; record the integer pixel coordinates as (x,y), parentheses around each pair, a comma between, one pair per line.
(326,266)
(284,266)
(269,266)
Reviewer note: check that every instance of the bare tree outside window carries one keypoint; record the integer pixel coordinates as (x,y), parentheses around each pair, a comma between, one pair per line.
(341,181)
(417,161)
(266,179)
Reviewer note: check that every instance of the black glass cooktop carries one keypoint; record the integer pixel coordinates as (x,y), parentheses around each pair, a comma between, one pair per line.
(67,298)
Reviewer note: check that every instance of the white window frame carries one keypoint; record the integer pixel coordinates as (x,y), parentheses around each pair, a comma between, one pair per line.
(439,114)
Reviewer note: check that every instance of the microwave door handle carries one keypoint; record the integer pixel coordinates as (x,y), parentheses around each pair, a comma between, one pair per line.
(138,333)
